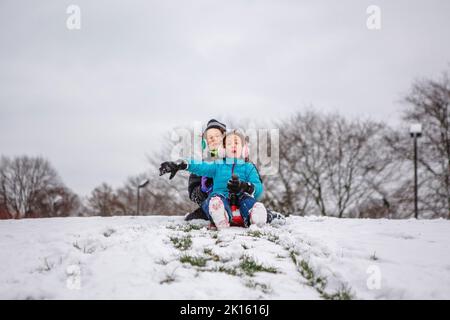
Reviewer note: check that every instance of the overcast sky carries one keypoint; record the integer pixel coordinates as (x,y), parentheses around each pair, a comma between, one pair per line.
(95,101)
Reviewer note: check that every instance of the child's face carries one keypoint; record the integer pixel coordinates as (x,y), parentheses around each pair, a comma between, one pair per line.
(213,138)
(233,146)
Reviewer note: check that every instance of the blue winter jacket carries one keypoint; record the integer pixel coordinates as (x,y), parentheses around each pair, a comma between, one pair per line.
(222,170)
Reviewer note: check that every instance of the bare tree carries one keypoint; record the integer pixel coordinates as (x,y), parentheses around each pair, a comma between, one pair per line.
(4,211)
(24,184)
(104,201)
(286,191)
(329,165)
(428,103)
(160,196)
(58,202)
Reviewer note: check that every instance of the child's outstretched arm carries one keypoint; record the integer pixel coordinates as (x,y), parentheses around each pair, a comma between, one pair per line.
(205,169)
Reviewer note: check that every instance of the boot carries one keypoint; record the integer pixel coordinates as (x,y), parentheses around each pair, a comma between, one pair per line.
(196,214)
(218,213)
(258,214)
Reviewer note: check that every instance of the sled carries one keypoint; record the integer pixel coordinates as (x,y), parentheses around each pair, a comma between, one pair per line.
(236,219)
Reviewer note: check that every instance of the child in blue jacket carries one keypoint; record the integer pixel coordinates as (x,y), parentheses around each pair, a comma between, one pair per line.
(246,185)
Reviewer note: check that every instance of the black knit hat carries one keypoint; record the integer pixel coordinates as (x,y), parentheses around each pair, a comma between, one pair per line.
(213,123)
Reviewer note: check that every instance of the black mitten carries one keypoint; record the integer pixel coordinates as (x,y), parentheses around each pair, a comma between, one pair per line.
(172,168)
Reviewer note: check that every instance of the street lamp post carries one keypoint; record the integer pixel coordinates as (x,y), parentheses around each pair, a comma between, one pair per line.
(415,132)
(143,184)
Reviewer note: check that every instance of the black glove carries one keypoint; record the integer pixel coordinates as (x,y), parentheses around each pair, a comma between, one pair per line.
(172,167)
(234,185)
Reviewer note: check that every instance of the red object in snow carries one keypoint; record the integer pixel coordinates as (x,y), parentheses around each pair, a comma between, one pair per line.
(236,220)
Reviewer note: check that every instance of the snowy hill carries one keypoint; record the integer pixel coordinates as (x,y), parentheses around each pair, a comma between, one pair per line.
(166,258)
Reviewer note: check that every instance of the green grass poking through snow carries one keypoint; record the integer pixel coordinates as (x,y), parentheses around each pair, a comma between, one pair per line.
(250,266)
(182,243)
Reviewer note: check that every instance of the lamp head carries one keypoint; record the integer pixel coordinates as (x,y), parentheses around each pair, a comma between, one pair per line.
(144,183)
(415,130)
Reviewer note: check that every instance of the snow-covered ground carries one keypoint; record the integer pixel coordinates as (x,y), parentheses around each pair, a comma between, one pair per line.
(159,257)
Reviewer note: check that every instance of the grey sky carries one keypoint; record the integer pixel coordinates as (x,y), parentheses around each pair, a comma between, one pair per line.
(95,101)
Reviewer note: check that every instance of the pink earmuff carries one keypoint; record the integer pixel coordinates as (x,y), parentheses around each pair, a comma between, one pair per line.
(245,151)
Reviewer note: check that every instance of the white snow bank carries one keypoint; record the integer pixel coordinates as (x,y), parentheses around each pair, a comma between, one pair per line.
(307,258)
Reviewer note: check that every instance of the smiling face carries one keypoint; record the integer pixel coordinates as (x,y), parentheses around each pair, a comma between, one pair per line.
(214,138)
(233,146)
